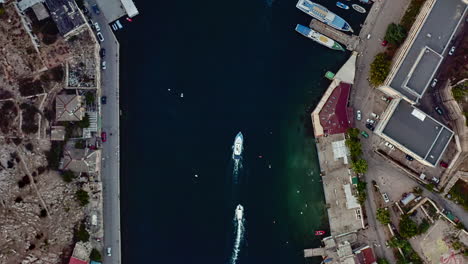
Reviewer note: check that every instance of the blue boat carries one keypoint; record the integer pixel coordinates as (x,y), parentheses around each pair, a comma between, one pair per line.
(319,38)
(341,5)
(365,1)
(323,14)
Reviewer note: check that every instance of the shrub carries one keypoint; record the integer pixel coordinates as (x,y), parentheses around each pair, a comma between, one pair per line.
(383,216)
(82,197)
(29,113)
(80,144)
(382,261)
(360,166)
(379,70)
(408,228)
(395,34)
(81,233)
(68,176)
(411,13)
(54,154)
(95,255)
(459,92)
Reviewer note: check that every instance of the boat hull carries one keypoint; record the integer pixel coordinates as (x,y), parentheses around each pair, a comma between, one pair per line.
(359,8)
(319,38)
(322,14)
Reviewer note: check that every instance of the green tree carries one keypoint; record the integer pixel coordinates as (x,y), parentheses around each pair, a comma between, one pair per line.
(68,176)
(84,123)
(82,197)
(408,228)
(379,70)
(89,98)
(360,166)
(80,144)
(81,233)
(383,215)
(95,255)
(382,261)
(355,148)
(424,226)
(353,133)
(395,34)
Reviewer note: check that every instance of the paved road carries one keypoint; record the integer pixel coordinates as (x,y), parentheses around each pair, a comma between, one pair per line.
(110,171)
(363,96)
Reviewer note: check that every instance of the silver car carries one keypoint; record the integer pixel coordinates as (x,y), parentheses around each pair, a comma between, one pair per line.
(358,115)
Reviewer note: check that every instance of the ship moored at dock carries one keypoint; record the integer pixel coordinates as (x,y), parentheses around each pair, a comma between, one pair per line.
(323,14)
(319,38)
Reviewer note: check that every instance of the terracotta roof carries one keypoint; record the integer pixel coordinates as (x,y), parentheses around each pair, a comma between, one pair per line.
(68,108)
(77,261)
(366,256)
(335,116)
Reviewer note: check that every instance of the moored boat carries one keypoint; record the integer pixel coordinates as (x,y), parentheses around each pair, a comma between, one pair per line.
(341,5)
(238,146)
(365,1)
(323,14)
(359,8)
(319,38)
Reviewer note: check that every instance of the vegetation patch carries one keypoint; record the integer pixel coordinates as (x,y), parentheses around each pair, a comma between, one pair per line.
(383,215)
(411,13)
(459,193)
(54,154)
(380,68)
(82,196)
(395,34)
(460,91)
(29,113)
(410,256)
(8,113)
(28,86)
(81,234)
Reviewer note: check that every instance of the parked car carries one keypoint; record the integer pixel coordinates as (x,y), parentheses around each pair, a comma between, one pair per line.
(452,50)
(439,110)
(408,157)
(370,127)
(434,82)
(435,180)
(102,53)
(368,36)
(443,164)
(385,197)
(100,36)
(358,115)
(103,65)
(390,146)
(384,43)
(104,100)
(109,252)
(85,10)
(97,27)
(370,121)
(96,9)
(375,116)
(364,134)
(103,136)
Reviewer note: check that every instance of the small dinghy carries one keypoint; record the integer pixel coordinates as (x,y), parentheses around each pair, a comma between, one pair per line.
(359,8)
(341,5)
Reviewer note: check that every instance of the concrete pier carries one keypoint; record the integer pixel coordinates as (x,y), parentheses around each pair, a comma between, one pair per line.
(351,42)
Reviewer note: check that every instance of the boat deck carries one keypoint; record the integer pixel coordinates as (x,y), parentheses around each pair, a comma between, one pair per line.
(351,42)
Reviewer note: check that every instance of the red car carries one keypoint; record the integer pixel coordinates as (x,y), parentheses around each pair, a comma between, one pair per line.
(384,43)
(443,164)
(104,136)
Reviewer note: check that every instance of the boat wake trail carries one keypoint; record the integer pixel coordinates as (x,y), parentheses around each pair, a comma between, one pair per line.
(239,230)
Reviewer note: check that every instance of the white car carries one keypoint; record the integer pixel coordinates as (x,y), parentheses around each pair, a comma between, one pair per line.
(385,197)
(97,27)
(358,115)
(452,50)
(376,116)
(104,65)
(100,36)
(390,146)
(434,83)
(370,121)
(109,253)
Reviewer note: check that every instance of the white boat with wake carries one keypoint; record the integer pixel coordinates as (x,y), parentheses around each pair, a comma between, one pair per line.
(238,146)
(239,212)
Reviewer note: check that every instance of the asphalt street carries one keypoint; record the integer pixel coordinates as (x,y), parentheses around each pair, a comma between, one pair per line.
(110,113)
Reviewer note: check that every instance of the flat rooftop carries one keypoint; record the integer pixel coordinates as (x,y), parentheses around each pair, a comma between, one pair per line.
(344,213)
(416,71)
(418,132)
(65,14)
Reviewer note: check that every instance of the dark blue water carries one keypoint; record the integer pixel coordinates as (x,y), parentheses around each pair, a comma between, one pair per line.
(241,67)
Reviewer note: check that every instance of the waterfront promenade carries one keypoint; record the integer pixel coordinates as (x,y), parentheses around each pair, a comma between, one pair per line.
(110,123)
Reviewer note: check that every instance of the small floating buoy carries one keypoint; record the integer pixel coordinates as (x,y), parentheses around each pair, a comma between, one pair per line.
(269,166)
(260,156)
(182,95)
(196,175)
(169,89)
